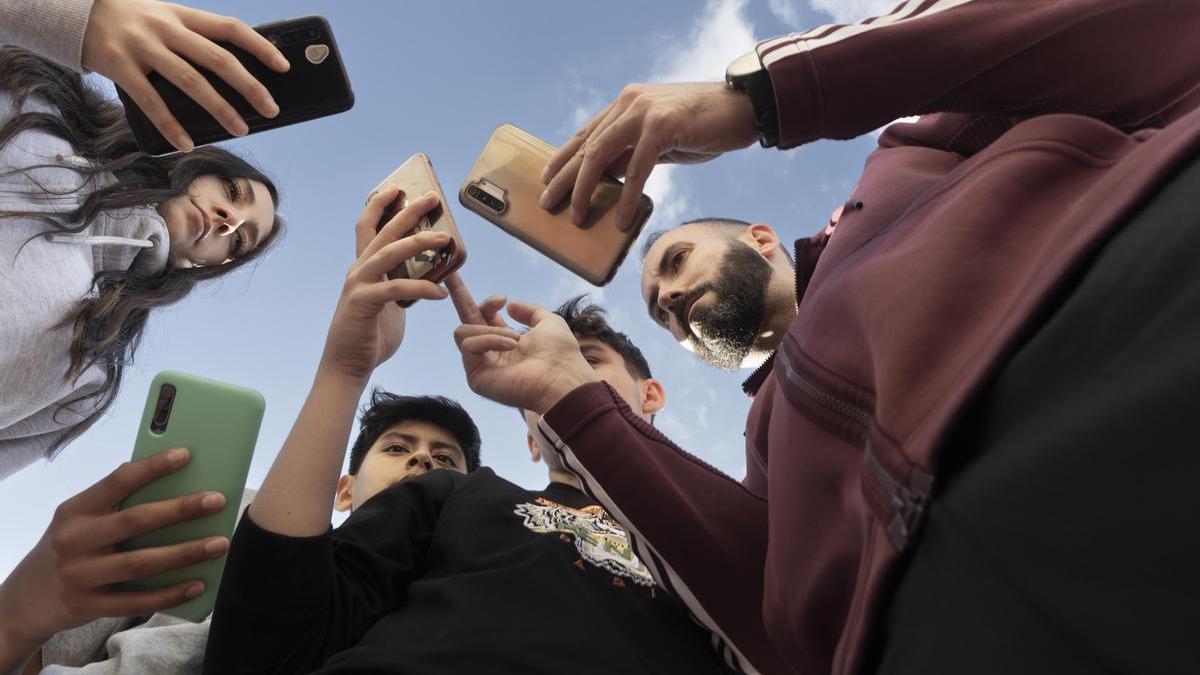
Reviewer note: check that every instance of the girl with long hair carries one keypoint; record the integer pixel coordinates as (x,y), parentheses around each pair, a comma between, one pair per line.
(94,235)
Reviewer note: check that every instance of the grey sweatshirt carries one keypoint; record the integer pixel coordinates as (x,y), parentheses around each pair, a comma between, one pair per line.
(52,28)
(43,275)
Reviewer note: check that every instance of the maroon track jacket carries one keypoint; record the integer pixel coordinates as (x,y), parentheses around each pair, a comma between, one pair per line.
(1047,124)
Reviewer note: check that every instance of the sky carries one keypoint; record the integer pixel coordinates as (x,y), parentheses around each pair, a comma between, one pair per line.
(438,78)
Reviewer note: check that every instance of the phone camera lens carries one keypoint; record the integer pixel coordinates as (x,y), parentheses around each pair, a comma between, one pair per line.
(473,191)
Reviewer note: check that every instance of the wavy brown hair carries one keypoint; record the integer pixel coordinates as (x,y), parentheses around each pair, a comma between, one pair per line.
(109,326)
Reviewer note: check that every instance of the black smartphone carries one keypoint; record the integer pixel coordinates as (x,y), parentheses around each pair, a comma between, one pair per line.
(315,86)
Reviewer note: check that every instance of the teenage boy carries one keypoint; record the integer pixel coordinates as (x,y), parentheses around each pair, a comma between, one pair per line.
(442,572)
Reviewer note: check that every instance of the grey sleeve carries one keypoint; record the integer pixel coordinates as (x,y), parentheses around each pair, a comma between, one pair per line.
(51,28)
(164,644)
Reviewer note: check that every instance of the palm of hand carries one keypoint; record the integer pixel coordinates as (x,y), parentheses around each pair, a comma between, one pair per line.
(545,360)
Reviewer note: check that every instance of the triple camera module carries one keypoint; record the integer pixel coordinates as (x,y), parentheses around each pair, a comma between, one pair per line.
(486,198)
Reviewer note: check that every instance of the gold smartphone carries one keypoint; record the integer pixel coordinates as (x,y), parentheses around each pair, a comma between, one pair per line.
(415,177)
(504,185)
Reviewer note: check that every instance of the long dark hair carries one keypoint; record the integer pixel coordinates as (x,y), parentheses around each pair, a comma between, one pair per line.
(109,326)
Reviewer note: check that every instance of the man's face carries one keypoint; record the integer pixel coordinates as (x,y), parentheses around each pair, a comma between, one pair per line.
(708,290)
(407,449)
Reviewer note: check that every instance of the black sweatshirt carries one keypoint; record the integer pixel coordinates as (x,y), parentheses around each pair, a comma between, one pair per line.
(448,573)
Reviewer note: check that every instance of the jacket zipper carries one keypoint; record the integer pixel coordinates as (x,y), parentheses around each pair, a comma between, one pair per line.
(908,502)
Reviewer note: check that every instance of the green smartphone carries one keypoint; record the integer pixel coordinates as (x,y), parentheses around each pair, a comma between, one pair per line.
(218,423)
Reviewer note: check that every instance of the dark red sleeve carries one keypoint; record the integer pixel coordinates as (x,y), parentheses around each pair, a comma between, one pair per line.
(1131,63)
(701,533)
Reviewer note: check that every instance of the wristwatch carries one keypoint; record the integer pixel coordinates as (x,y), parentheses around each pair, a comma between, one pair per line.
(746,73)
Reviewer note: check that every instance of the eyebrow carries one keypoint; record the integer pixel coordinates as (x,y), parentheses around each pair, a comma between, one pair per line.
(433,443)
(590,349)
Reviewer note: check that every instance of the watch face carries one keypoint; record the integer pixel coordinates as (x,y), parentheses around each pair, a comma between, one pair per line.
(742,66)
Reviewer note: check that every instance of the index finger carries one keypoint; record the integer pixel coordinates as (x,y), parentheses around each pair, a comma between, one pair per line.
(470,312)
(104,495)
(568,149)
(232,30)
(464,302)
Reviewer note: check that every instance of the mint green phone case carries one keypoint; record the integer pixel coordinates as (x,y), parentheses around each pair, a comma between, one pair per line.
(218,423)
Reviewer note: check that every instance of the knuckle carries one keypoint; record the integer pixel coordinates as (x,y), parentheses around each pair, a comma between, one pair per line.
(217,57)
(189,78)
(228,25)
(132,520)
(137,565)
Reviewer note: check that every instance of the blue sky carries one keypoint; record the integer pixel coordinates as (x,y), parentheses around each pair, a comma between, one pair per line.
(437,78)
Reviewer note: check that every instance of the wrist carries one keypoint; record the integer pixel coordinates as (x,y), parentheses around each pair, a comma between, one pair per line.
(329,375)
(17,640)
(562,385)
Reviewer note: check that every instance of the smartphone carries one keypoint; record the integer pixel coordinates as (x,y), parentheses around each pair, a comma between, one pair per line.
(415,177)
(218,423)
(315,86)
(504,186)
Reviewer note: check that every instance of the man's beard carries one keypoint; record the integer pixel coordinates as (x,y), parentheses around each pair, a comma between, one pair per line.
(724,332)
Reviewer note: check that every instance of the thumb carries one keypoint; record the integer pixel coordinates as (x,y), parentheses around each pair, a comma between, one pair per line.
(528,313)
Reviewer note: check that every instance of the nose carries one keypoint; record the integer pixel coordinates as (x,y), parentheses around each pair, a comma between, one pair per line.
(669,297)
(420,458)
(228,220)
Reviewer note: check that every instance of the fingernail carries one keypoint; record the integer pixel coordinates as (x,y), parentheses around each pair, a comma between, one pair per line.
(177,455)
(546,174)
(184,142)
(240,128)
(620,219)
(544,200)
(212,501)
(194,590)
(272,107)
(216,546)
(282,62)
(575,216)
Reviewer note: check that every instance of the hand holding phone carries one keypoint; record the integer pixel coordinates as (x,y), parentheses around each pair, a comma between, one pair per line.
(368,323)
(216,98)
(415,178)
(218,423)
(67,579)
(125,39)
(504,187)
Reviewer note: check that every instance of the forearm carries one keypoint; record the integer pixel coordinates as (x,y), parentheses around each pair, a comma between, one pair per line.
(1127,62)
(53,29)
(297,495)
(17,645)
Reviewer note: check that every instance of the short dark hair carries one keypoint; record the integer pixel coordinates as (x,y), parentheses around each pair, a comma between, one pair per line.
(387,410)
(587,321)
(731,226)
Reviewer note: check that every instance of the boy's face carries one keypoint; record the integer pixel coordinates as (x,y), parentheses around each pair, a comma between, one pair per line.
(409,448)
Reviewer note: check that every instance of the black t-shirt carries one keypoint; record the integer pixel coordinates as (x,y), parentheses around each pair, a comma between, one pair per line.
(448,573)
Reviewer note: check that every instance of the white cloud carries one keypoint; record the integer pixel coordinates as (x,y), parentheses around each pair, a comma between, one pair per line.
(785,11)
(850,11)
(721,34)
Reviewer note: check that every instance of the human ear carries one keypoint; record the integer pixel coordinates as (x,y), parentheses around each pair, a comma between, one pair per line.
(654,397)
(762,238)
(344,498)
(534,451)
